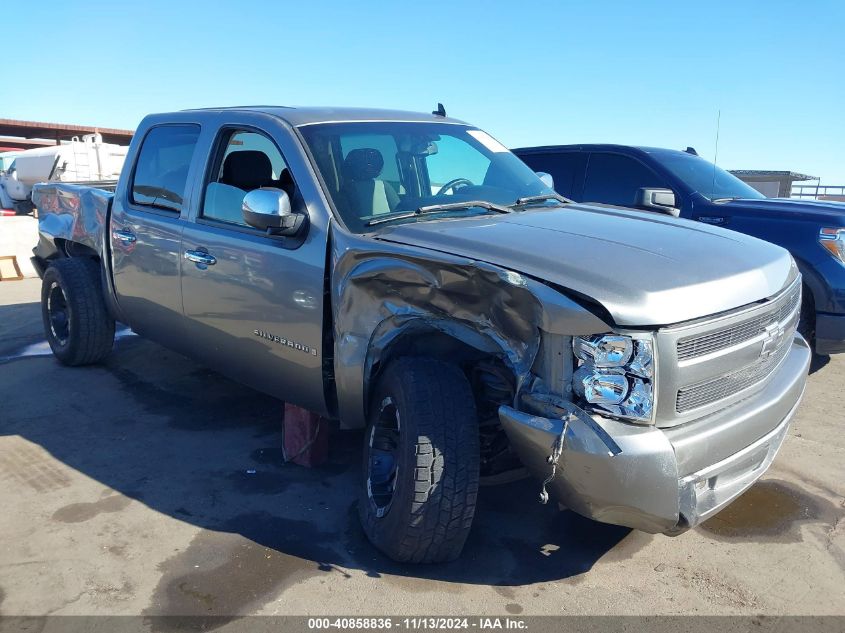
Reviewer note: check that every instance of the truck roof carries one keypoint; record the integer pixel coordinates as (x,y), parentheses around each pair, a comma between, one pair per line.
(597,147)
(297,116)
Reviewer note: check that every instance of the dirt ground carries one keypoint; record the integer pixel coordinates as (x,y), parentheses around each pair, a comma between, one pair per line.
(128,488)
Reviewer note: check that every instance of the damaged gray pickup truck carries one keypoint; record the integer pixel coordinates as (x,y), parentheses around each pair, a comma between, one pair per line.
(406,274)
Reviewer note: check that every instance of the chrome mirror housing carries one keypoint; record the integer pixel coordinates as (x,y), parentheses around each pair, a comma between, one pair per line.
(269,209)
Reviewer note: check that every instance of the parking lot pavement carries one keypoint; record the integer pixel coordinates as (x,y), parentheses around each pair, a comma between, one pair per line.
(151,485)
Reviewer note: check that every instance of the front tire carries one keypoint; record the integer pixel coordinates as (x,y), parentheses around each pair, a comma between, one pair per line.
(77,324)
(421,462)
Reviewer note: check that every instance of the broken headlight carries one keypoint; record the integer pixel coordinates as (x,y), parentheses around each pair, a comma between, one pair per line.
(615,375)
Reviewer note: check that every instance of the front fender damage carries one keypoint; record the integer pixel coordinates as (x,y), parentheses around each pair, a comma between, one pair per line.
(381,291)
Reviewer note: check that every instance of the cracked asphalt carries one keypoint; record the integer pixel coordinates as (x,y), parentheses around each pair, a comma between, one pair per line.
(127,488)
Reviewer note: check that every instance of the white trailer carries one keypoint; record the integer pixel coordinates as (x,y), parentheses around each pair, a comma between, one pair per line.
(85,160)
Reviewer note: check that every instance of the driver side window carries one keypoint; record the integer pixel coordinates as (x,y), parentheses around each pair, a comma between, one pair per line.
(616,179)
(247,160)
(455,156)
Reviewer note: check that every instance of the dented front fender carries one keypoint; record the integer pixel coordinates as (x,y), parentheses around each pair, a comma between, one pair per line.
(381,291)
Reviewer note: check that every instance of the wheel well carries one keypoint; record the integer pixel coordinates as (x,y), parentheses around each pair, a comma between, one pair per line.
(69,248)
(807,325)
(807,294)
(492,381)
(63,250)
(430,342)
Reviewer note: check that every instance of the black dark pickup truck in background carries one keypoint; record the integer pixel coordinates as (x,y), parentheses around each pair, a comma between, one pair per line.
(682,184)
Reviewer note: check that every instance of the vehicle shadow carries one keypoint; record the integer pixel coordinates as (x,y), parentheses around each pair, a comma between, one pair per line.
(195,446)
(818,362)
(20,323)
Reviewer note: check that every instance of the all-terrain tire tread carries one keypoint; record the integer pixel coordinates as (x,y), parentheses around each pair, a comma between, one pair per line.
(91,327)
(439,411)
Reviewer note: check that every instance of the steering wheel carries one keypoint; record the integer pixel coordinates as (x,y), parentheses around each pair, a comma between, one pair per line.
(453,184)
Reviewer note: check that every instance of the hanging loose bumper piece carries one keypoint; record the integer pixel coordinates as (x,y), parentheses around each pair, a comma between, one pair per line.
(557,451)
(566,411)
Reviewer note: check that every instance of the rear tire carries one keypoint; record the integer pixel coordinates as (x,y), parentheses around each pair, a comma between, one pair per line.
(77,324)
(421,462)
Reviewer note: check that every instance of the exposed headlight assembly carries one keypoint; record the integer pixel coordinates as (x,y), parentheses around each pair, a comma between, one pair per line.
(833,240)
(615,375)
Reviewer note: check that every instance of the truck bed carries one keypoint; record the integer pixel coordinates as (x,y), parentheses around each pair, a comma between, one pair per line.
(72,212)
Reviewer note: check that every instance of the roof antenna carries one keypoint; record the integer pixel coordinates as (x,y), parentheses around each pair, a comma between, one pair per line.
(691,150)
(716,153)
(440,111)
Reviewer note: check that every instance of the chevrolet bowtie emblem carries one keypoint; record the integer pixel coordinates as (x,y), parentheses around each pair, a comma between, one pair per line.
(772,340)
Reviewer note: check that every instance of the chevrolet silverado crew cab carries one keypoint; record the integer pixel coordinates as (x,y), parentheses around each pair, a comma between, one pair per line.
(682,184)
(406,274)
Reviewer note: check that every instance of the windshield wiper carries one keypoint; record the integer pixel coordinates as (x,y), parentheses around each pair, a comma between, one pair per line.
(728,199)
(439,208)
(521,202)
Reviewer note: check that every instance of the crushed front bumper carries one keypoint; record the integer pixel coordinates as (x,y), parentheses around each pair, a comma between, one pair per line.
(662,480)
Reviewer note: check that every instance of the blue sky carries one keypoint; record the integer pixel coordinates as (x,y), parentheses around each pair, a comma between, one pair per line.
(652,73)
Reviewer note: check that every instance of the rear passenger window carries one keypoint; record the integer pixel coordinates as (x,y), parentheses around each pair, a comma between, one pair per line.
(161,170)
(247,161)
(615,179)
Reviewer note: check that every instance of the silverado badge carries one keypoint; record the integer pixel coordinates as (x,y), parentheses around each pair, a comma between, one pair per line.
(284,341)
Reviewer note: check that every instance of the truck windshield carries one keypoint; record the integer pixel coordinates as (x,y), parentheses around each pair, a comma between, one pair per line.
(375,170)
(706,178)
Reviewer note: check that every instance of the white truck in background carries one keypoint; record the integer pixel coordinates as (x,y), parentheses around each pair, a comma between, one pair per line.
(6,158)
(86,160)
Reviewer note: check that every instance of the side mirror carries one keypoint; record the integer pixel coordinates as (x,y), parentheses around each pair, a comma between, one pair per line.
(269,209)
(662,200)
(546,178)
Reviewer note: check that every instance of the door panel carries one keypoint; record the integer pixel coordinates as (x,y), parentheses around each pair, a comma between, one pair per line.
(146,233)
(253,303)
(256,314)
(146,249)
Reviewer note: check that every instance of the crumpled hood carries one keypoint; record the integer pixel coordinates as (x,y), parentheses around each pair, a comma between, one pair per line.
(644,269)
(819,211)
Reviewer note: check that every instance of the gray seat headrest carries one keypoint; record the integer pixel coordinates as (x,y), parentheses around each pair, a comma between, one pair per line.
(247,170)
(364,163)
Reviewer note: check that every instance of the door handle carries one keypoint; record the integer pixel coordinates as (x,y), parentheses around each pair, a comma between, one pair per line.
(124,236)
(200,258)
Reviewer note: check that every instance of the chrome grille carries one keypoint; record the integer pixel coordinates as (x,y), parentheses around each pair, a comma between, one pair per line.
(701,345)
(714,390)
